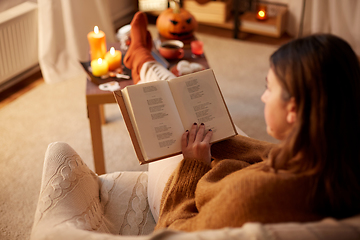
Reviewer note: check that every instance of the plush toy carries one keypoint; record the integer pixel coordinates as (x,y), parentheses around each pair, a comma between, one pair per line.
(176,22)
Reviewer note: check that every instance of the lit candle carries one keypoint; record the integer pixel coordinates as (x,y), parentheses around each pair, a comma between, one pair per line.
(97,43)
(99,67)
(113,57)
(261,12)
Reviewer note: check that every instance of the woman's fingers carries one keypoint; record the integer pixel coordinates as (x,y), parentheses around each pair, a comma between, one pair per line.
(184,139)
(200,133)
(192,134)
(208,136)
(195,144)
(195,135)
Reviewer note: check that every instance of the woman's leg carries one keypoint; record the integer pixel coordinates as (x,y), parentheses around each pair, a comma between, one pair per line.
(154,71)
(141,44)
(138,58)
(144,69)
(158,175)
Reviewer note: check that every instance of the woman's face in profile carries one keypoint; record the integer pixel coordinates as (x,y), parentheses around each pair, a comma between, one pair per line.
(276,110)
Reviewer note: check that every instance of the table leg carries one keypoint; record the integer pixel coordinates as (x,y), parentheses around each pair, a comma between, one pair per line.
(102,114)
(95,120)
(236,18)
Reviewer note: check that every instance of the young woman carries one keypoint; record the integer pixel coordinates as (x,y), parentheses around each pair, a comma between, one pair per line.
(312,105)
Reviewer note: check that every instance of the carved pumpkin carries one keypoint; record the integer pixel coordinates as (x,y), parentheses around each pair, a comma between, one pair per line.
(176,23)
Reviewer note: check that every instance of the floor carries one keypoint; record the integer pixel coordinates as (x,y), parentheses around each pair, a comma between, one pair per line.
(31,82)
(15,91)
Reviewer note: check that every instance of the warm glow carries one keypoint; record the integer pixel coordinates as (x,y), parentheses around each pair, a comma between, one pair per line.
(96,29)
(261,13)
(99,61)
(112,51)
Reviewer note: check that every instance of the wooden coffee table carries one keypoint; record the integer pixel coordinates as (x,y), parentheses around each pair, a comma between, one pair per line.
(96,98)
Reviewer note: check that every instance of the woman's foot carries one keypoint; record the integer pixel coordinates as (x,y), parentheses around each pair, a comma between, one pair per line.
(141,44)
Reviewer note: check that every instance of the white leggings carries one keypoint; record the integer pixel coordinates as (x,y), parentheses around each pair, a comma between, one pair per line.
(154,71)
(159,171)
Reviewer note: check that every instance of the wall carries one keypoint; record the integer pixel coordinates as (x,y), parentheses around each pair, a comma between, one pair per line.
(122,11)
(6,4)
(294,15)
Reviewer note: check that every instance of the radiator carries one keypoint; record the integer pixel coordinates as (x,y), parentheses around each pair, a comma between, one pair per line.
(18,41)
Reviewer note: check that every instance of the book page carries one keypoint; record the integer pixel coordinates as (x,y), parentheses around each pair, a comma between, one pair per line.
(198,99)
(155,118)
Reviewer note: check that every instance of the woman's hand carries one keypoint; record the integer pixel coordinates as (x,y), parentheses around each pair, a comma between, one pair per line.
(195,145)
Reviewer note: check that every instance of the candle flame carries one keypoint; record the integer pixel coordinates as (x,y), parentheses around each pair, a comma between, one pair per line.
(112,51)
(99,61)
(96,29)
(261,13)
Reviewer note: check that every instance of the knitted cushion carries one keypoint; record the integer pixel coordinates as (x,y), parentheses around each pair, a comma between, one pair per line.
(75,197)
(125,203)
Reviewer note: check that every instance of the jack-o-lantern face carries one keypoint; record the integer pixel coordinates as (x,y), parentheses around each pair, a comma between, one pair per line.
(174,25)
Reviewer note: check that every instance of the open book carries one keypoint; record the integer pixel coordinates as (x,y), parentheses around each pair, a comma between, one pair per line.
(156,114)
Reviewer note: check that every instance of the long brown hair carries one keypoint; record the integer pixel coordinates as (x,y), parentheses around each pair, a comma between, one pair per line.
(322,73)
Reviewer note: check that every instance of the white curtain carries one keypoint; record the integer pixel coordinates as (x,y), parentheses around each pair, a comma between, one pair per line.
(338,17)
(63,29)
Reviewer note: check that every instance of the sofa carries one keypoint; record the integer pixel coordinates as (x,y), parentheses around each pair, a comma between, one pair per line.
(76,203)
